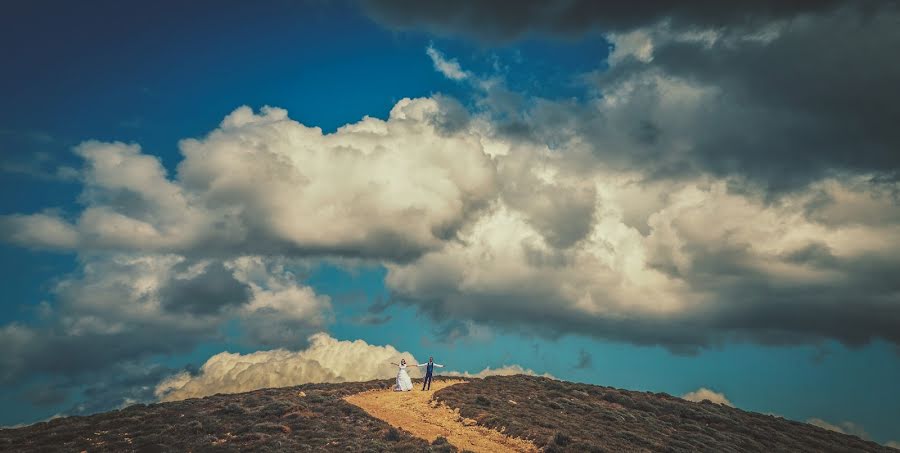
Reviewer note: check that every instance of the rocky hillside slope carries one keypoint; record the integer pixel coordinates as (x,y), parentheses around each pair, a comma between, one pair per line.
(565,416)
(553,415)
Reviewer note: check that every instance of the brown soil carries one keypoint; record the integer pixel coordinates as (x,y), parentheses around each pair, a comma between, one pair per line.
(561,416)
(417,413)
(556,416)
(309,418)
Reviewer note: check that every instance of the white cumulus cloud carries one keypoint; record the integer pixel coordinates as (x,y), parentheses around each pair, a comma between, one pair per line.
(705,394)
(265,184)
(506,370)
(845,427)
(450,68)
(325,360)
(478,226)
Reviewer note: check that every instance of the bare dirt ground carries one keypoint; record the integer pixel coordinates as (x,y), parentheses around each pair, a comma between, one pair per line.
(416,413)
(561,416)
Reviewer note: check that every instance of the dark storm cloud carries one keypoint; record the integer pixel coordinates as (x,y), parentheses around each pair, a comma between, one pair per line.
(98,319)
(821,96)
(54,353)
(538,311)
(817,96)
(210,292)
(855,309)
(44,395)
(501,21)
(126,384)
(122,385)
(106,370)
(114,316)
(754,310)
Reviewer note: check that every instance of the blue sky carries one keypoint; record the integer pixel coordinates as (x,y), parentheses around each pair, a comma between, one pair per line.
(155,74)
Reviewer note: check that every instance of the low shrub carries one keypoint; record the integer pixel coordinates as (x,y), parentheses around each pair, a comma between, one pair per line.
(561,439)
(252,421)
(392,435)
(233,409)
(564,416)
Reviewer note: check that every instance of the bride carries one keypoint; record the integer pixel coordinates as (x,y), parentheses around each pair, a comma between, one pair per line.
(404,384)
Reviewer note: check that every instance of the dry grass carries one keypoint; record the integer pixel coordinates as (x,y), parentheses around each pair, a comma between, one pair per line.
(263,420)
(564,416)
(554,415)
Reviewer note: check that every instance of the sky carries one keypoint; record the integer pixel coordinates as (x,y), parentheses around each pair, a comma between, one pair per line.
(687,198)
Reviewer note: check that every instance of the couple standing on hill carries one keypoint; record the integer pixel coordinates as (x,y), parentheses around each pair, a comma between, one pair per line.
(404,383)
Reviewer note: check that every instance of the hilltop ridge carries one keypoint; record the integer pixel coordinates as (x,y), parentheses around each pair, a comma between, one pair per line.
(552,415)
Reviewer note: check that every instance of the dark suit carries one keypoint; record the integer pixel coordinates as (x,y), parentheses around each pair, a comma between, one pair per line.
(429,372)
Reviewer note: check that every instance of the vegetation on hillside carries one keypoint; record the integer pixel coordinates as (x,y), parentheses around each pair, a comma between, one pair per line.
(555,415)
(565,416)
(310,417)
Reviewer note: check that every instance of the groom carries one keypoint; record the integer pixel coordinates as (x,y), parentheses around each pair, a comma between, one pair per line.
(429,370)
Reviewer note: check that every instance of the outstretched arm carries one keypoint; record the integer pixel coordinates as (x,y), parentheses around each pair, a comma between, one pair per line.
(421,364)
(395,364)
(439,366)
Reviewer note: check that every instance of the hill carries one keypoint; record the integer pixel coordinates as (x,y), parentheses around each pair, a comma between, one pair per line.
(543,413)
(565,416)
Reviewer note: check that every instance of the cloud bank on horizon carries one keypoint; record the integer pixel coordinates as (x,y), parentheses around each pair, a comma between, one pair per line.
(705,394)
(325,360)
(712,187)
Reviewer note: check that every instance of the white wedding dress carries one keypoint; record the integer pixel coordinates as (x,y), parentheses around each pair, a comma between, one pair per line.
(404,383)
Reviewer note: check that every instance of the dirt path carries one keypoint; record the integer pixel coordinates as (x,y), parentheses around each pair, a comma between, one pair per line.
(415,412)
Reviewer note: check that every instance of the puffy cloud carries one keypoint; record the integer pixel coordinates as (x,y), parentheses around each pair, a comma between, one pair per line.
(558,240)
(636,44)
(705,394)
(478,228)
(280,310)
(844,427)
(681,264)
(112,318)
(848,427)
(38,230)
(117,308)
(622,230)
(325,360)
(264,184)
(449,68)
(506,370)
